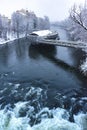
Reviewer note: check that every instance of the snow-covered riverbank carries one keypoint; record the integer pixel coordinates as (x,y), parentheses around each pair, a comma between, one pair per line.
(84,67)
(10,38)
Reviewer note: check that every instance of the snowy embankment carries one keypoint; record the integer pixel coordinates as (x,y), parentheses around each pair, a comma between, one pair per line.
(84,67)
(10,38)
(2,41)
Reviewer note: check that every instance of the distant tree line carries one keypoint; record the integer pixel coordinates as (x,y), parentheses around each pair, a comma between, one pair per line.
(76,24)
(22,22)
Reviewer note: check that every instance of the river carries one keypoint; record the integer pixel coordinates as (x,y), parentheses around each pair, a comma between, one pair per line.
(41,87)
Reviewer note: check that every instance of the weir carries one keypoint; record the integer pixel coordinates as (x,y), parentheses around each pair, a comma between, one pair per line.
(63,43)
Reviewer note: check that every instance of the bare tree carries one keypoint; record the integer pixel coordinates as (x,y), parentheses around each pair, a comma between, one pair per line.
(77,15)
(0,26)
(15,22)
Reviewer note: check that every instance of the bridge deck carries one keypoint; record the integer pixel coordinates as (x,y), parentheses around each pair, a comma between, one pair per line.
(72,44)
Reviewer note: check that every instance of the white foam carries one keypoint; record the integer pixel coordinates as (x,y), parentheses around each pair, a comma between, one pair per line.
(10,120)
(16,86)
(84,98)
(56,124)
(81,120)
(18,106)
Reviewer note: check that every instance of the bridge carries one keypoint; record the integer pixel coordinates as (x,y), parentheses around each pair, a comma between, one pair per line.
(63,43)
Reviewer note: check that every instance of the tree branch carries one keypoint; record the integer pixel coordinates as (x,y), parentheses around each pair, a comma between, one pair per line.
(76,16)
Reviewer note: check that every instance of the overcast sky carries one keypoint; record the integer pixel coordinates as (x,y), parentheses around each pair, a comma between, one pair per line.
(56,10)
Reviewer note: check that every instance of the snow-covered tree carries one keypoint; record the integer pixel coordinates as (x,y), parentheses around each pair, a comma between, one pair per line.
(17,23)
(24,21)
(77,23)
(3,26)
(0,26)
(31,20)
(47,22)
(78,16)
(43,23)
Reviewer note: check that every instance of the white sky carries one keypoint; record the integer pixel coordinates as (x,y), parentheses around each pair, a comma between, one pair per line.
(54,9)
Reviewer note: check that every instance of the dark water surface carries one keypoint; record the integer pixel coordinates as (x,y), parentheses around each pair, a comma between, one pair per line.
(42,75)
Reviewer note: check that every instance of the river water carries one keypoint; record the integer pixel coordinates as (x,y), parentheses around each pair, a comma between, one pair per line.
(41,87)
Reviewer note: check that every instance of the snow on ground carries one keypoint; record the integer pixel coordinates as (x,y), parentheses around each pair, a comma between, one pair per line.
(84,67)
(10,37)
(42,32)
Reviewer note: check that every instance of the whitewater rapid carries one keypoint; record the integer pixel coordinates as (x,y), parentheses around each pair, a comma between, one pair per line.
(10,119)
(24,115)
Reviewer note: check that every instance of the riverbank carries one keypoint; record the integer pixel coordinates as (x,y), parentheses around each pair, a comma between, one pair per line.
(11,38)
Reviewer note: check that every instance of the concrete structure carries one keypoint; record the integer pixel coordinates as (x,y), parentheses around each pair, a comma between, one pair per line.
(72,44)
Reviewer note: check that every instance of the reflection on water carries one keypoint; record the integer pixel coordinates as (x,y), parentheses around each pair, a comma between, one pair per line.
(51,53)
(45,50)
(3,55)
